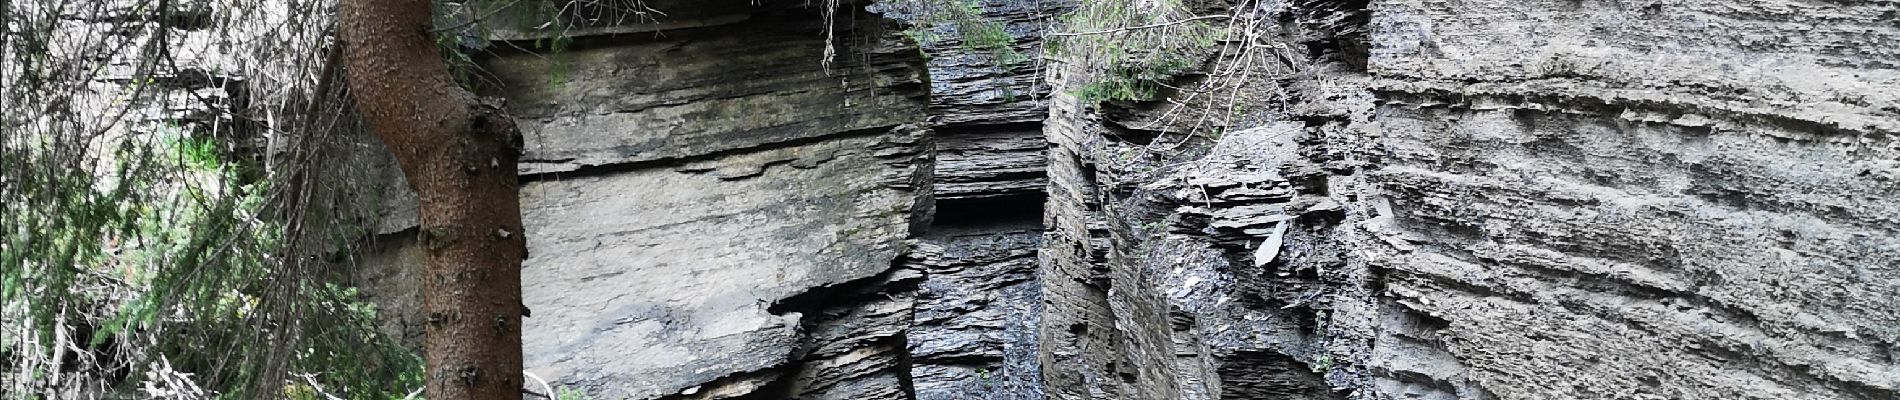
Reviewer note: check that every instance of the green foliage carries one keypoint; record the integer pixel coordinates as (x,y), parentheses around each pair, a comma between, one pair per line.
(965,20)
(556,48)
(1323,363)
(458,44)
(545,16)
(935,22)
(179,242)
(453,47)
(1134,80)
(464,35)
(1132,49)
(138,241)
(169,253)
(985,380)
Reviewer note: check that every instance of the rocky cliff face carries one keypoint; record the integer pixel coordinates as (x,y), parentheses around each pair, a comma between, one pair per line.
(1692,198)
(717,213)
(1499,200)
(1428,200)
(683,191)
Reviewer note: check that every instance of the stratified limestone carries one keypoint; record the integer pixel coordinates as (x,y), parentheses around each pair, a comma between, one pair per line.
(1508,199)
(684,189)
(1459,199)
(987,103)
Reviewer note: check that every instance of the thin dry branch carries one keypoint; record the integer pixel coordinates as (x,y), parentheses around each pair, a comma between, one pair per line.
(1135,28)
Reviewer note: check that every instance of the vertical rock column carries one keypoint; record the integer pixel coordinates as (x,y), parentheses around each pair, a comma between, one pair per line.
(1106,331)
(978,306)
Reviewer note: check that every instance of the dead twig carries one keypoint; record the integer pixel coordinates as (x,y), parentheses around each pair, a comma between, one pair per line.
(1134,28)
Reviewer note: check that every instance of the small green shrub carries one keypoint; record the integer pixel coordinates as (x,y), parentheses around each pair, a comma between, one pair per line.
(1130,53)
(974,33)
(1323,363)
(567,393)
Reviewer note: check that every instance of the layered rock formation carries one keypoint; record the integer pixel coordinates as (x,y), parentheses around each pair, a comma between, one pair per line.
(1666,200)
(682,190)
(979,309)
(1426,200)
(1502,200)
(716,212)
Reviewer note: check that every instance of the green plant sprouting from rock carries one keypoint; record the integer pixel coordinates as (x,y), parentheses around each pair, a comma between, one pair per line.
(935,22)
(963,23)
(567,393)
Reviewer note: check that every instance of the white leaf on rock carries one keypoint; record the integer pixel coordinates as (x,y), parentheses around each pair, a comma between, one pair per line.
(1271,247)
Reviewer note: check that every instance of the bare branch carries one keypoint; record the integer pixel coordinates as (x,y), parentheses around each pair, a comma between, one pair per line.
(1134,28)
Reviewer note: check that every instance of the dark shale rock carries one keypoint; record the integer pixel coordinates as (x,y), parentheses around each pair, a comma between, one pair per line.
(987,104)
(978,309)
(974,331)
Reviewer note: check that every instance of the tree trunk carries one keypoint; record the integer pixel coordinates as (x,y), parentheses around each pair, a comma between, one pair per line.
(458,152)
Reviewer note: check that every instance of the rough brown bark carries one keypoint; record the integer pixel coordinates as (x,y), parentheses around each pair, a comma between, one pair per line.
(458,152)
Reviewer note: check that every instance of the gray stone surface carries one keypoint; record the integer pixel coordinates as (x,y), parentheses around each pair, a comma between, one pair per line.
(1105,333)
(974,85)
(990,161)
(1674,200)
(986,104)
(974,334)
(1509,199)
(657,292)
(858,335)
(1463,200)
(694,198)
(611,100)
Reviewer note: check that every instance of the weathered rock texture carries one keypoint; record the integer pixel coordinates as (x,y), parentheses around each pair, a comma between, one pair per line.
(975,325)
(987,104)
(1651,200)
(1425,200)
(696,179)
(978,309)
(683,189)
(714,212)
(1497,199)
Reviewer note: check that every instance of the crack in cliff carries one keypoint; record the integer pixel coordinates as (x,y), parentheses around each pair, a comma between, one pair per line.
(1634,106)
(1000,212)
(584,171)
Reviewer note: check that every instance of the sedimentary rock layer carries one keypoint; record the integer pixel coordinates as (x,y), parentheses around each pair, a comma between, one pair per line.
(1506,199)
(1432,200)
